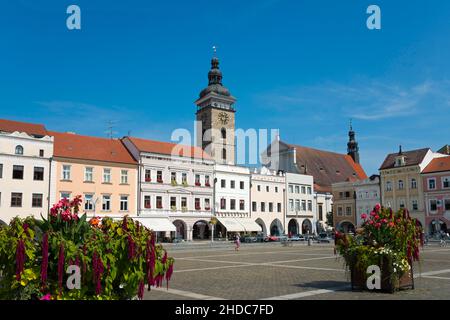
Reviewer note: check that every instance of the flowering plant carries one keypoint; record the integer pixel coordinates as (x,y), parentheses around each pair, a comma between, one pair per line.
(116,259)
(385,238)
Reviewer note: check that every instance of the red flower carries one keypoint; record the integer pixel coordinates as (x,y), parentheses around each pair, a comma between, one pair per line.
(377,207)
(20,259)
(377,217)
(372,213)
(364,216)
(44,264)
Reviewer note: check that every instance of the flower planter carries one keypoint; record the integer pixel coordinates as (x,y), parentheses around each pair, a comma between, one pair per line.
(389,282)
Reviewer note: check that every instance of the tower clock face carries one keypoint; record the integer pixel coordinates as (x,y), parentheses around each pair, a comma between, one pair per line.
(223,117)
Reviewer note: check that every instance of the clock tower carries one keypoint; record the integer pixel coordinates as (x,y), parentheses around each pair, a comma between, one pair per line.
(215,126)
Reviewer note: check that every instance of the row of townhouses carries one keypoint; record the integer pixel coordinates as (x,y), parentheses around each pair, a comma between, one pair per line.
(196,192)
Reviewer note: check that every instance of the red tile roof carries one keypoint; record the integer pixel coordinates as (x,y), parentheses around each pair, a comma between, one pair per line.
(327,167)
(438,165)
(168,148)
(74,146)
(413,157)
(29,128)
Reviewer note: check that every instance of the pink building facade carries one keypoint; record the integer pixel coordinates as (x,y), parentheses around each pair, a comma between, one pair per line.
(436,186)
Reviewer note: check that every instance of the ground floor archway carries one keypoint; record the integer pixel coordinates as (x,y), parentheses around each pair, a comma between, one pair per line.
(346,227)
(307,226)
(276,228)
(181,232)
(200,231)
(261,223)
(293,227)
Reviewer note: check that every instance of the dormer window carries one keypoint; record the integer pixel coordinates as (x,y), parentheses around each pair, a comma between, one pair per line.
(400,161)
(19,150)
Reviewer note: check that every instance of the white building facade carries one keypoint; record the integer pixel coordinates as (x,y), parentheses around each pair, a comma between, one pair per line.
(173,188)
(301,208)
(27,182)
(268,201)
(367,196)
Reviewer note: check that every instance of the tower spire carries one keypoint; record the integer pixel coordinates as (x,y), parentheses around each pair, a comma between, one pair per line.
(352,145)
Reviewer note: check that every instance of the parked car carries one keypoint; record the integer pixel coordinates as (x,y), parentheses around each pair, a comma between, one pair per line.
(248,239)
(260,237)
(270,238)
(324,238)
(297,238)
(283,238)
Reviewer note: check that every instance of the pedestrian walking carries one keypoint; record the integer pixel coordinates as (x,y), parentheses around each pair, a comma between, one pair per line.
(237,241)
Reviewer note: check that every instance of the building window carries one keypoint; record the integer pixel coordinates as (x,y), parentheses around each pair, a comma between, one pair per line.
(347,194)
(159,177)
(223,203)
(183,203)
(339,212)
(241,185)
(304,205)
(147,202)
(297,205)
(400,184)
(223,183)
(348,211)
(88,204)
(207,183)
(16,199)
(413,184)
(223,133)
(447,204)
(123,203)
(291,205)
(341,195)
(433,205)
(173,177)
(224,154)
(267,189)
(38,174)
(254,206)
(263,206)
(18,172)
(309,205)
(388,186)
(259,187)
(88,174)
(232,204)
(106,203)
(66,172)
(303,190)
(402,204)
(270,206)
(197,180)
(279,207)
(159,202)
(65,195)
(309,190)
(41,153)
(241,205)
(184,178)
(320,212)
(276,189)
(36,201)
(445,182)
(232,184)
(297,189)
(173,203)
(414,205)
(148,175)
(124,176)
(431,184)
(19,150)
(291,188)
(1,170)
(106,175)
(207,204)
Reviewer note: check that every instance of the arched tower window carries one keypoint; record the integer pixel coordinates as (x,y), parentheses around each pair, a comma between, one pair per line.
(224,154)
(223,131)
(19,150)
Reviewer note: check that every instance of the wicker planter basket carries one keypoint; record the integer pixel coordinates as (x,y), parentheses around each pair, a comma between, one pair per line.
(389,282)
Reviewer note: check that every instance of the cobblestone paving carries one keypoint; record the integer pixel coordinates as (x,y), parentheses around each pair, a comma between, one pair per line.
(272,271)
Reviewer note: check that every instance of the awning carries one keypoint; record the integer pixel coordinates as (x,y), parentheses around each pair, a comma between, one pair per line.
(157,224)
(231,224)
(240,224)
(249,225)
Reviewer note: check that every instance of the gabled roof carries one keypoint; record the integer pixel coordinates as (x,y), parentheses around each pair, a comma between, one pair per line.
(438,165)
(168,148)
(445,149)
(29,128)
(74,146)
(327,167)
(412,158)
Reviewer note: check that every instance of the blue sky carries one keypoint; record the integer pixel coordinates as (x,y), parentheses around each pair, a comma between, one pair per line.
(304,67)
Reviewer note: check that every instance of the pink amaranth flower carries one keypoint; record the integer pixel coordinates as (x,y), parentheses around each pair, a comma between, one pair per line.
(141,290)
(169,274)
(44,264)
(20,259)
(47,297)
(60,266)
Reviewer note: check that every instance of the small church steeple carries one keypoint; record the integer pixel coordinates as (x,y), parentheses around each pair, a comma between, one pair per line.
(352,145)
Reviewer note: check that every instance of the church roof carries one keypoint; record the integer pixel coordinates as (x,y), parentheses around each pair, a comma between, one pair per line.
(215,81)
(327,167)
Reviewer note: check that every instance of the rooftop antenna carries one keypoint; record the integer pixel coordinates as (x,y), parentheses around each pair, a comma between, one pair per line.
(110,127)
(351,128)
